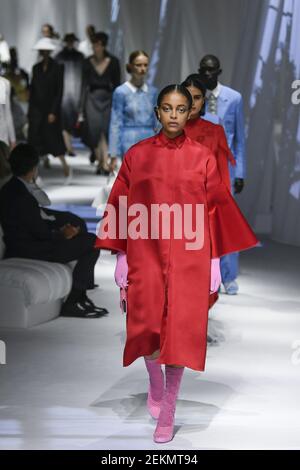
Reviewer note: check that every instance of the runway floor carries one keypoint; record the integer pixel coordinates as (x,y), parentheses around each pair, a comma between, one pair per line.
(64,386)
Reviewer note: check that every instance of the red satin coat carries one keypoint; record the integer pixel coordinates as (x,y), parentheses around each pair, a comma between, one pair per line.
(168,292)
(213,136)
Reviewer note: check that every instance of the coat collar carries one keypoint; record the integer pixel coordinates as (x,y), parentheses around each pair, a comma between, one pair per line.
(200,125)
(163,141)
(218,92)
(134,89)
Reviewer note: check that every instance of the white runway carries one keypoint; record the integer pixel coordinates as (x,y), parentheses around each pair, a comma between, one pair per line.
(64,386)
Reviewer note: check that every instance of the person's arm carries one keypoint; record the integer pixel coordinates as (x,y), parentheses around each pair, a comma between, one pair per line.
(229,230)
(215,275)
(112,232)
(35,224)
(239,140)
(224,156)
(9,118)
(116,73)
(25,77)
(5,53)
(121,270)
(56,103)
(32,90)
(116,124)
(84,86)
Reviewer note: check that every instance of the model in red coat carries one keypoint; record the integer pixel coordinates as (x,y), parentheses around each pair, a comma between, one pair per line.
(205,132)
(170,277)
(208,134)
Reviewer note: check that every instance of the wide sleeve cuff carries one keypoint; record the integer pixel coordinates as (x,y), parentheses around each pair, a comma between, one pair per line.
(229,230)
(112,231)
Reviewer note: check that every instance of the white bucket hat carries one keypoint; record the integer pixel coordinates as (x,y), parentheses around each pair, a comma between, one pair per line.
(45,44)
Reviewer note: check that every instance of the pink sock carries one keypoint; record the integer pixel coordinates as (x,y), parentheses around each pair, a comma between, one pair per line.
(156,377)
(165,427)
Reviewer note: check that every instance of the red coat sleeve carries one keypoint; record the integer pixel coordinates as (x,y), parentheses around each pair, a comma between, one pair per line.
(224,157)
(109,234)
(229,230)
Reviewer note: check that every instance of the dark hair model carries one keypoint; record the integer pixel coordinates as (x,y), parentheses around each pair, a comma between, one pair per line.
(195,81)
(177,89)
(100,36)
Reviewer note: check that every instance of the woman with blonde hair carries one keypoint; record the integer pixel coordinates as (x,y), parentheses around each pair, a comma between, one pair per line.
(132,116)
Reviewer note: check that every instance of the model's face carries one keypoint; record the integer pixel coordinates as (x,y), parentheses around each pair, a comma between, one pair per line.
(98,49)
(70,44)
(209,72)
(198,101)
(45,54)
(173,113)
(139,67)
(90,31)
(46,32)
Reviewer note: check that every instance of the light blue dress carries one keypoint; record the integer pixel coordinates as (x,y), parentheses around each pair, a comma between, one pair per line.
(132,117)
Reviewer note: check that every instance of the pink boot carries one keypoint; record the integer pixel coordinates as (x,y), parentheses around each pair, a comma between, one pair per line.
(164,431)
(156,388)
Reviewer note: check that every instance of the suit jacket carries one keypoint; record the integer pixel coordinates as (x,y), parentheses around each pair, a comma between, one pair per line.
(230,111)
(26,233)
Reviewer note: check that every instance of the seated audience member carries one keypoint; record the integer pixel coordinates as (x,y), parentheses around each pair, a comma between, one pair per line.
(29,234)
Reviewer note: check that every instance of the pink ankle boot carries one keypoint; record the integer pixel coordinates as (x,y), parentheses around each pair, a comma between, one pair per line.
(156,387)
(164,431)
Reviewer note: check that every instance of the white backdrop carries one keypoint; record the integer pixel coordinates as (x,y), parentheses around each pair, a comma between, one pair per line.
(256,41)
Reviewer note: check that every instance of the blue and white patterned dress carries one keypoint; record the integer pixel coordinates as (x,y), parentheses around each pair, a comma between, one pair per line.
(132,117)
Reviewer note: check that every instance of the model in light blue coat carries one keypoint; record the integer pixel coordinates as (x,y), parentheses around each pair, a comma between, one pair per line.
(132,117)
(231,115)
(227,104)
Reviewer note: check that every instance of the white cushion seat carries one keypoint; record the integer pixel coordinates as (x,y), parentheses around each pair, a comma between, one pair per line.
(31,291)
(41,281)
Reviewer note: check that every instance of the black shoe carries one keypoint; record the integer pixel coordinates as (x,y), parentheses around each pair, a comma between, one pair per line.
(79,310)
(92,158)
(90,304)
(71,154)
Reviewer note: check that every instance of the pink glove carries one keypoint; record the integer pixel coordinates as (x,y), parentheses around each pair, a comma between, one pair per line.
(215,275)
(121,270)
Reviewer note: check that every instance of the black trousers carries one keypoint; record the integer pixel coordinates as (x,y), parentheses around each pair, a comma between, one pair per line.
(80,248)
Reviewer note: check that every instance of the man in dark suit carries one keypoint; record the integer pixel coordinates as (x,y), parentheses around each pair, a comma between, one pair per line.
(28,233)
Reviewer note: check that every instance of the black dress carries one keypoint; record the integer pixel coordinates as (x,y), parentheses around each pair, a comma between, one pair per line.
(97,92)
(72,61)
(46,91)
